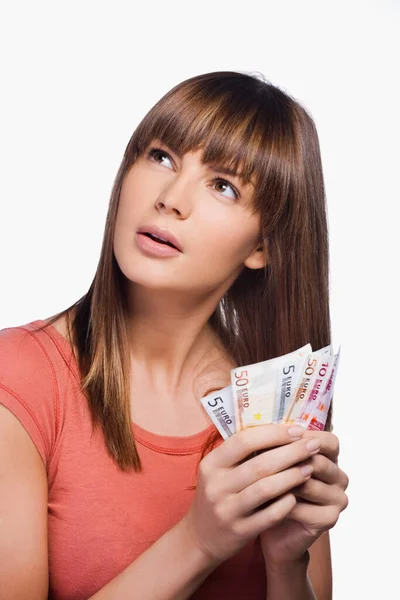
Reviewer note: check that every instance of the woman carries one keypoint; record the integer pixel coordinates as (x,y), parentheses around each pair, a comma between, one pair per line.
(215,254)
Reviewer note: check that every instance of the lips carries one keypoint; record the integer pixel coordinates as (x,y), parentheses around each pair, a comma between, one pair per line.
(163,236)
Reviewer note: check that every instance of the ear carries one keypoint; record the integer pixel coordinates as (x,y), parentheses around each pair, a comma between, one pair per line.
(258,259)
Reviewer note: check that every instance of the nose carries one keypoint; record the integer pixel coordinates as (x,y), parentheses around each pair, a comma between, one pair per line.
(167,207)
(175,199)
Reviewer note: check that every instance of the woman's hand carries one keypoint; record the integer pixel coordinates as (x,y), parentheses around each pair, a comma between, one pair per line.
(320,500)
(223,515)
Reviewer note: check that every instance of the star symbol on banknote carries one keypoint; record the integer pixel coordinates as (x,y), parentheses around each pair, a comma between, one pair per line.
(257,416)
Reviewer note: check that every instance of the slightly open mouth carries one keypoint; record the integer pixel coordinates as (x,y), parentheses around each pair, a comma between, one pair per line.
(158,240)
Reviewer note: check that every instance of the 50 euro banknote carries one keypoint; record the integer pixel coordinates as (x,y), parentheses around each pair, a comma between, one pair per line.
(313,378)
(254,389)
(288,378)
(315,414)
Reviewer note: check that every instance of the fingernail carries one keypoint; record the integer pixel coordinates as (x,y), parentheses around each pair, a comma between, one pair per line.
(306,470)
(313,445)
(296,432)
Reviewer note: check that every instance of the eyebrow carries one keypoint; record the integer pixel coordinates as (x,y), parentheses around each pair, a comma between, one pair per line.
(223,170)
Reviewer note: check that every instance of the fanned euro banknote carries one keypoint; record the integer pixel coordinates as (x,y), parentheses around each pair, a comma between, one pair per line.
(294,388)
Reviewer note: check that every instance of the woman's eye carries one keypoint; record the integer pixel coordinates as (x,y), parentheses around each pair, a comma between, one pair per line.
(219,181)
(155,152)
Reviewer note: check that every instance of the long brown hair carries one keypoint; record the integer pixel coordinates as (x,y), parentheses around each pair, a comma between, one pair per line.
(242,121)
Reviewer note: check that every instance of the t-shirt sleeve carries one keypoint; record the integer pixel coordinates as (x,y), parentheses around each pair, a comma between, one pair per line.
(28,386)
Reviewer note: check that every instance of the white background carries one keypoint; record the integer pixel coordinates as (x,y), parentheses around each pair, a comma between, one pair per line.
(76,80)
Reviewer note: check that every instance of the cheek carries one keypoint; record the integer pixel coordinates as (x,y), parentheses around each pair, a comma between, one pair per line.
(231,239)
(126,206)
(124,233)
(130,208)
(136,193)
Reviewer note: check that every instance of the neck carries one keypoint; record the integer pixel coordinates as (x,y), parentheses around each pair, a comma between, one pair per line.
(170,336)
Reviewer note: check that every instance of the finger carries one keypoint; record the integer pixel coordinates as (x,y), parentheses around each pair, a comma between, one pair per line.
(243,443)
(267,517)
(329,443)
(327,471)
(320,493)
(317,517)
(269,488)
(267,464)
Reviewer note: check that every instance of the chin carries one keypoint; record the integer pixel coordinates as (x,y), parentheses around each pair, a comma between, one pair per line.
(151,278)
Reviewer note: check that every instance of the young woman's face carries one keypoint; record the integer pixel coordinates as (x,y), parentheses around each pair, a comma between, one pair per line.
(211,220)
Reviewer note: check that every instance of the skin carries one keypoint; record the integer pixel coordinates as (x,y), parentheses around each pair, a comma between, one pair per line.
(223,517)
(318,504)
(170,301)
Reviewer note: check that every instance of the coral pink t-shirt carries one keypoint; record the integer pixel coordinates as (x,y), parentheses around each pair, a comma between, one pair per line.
(100,518)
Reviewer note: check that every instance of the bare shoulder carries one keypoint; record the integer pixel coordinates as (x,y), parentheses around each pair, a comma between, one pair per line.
(23,507)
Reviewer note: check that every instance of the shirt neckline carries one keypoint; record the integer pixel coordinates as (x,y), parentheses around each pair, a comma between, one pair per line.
(166,444)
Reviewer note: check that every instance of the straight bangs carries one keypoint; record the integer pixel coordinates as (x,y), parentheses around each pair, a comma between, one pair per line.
(239,123)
